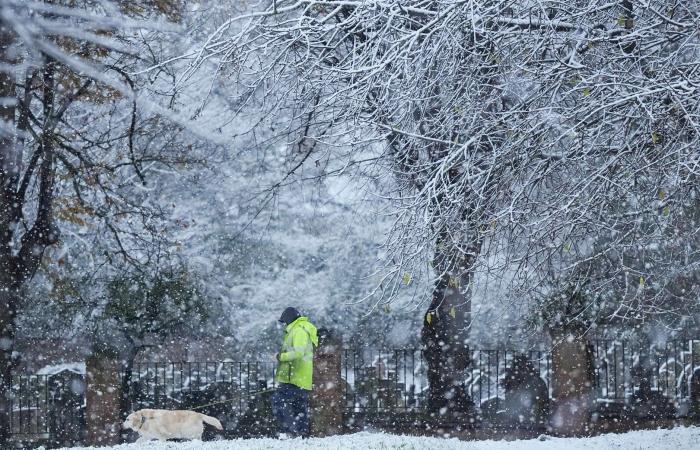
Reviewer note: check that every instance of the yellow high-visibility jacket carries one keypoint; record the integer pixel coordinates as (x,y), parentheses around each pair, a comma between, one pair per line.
(296,359)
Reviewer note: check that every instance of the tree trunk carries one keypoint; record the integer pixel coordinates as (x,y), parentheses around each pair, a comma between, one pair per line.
(8,175)
(128,366)
(446,351)
(18,266)
(444,335)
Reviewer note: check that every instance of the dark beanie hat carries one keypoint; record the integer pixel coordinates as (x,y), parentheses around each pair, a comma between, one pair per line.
(289,315)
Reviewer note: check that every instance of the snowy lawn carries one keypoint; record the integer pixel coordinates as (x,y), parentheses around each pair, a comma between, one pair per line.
(678,438)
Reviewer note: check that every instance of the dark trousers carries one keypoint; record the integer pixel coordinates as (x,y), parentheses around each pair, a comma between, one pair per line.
(290,404)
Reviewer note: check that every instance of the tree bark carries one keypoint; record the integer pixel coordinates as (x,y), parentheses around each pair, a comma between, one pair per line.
(128,366)
(445,333)
(8,176)
(17,267)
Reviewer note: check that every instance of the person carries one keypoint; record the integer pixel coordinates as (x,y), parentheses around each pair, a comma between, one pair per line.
(290,402)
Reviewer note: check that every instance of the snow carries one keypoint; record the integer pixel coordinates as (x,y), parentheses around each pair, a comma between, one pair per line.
(75,367)
(677,438)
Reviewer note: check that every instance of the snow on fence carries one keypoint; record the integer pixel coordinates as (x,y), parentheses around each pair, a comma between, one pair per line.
(623,369)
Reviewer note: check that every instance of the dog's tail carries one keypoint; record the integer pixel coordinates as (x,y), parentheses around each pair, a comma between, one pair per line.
(212,421)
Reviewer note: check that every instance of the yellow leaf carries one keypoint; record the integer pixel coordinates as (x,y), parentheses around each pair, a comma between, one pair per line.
(406,279)
(662,194)
(642,280)
(621,21)
(667,211)
(654,138)
(453,283)
(567,247)
(453,312)
(586,91)
(387,309)
(429,318)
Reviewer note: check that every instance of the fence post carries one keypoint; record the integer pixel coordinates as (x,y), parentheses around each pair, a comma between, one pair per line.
(327,394)
(572,382)
(102,418)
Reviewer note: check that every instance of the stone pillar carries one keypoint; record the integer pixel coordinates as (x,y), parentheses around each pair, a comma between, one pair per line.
(102,417)
(572,383)
(694,407)
(327,395)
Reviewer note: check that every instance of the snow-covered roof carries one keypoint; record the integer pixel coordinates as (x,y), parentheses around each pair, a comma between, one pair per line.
(75,367)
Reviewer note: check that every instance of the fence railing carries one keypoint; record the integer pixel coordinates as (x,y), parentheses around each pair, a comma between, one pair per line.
(52,407)
(377,380)
(48,407)
(397,379)
(223,389)
(623,368)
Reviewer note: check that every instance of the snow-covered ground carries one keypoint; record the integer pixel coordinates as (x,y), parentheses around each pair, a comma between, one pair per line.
(678,438)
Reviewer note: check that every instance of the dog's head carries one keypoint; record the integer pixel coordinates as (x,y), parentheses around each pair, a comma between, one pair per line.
(133,420)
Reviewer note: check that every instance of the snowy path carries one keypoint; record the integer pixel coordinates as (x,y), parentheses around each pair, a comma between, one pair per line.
(678,438)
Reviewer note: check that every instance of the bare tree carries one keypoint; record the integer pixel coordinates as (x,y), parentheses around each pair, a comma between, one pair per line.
(60,62)
(512,128)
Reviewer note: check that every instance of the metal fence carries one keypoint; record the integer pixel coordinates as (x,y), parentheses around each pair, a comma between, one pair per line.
(396,380)
(622,368)
(51,408)
(48,408)
(378,380)
(227,390)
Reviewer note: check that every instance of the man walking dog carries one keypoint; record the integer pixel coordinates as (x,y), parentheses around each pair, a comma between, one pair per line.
(290,402)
